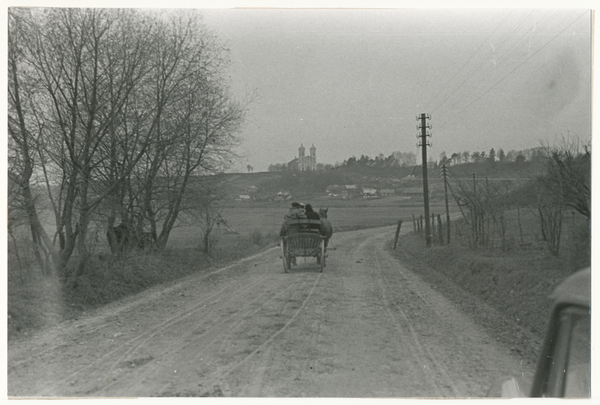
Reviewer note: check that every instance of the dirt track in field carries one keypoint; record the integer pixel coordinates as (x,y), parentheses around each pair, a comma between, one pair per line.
(365,327)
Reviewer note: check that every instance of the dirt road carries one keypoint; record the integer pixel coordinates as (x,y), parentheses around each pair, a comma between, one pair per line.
(365,327)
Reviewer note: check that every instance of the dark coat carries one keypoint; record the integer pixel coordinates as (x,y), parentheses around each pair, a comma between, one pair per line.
(312,215)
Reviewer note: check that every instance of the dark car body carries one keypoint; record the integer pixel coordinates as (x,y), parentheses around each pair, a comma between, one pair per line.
(563,368)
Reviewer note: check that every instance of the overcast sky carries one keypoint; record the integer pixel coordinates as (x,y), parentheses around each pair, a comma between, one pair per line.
(352,81)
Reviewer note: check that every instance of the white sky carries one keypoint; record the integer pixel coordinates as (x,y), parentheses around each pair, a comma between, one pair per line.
(352,81)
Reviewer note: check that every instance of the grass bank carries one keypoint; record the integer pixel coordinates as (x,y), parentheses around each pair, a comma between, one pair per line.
(36,302)
(510,289)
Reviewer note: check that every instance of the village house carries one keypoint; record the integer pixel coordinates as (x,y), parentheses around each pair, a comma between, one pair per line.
(368,192)
(385,192)
(244,197)
(335,190)
(413,192)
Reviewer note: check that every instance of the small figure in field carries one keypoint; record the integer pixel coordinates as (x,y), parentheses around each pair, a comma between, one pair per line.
(326,228)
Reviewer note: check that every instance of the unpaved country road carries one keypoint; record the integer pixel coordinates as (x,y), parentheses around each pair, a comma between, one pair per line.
(365,327)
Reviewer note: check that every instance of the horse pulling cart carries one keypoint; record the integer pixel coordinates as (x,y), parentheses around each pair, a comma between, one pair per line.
(302,238)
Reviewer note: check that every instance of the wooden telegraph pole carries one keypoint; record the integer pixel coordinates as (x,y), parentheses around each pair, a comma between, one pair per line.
(445,177)
(424,143)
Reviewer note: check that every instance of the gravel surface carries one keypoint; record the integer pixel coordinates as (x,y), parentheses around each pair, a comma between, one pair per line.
(368,326)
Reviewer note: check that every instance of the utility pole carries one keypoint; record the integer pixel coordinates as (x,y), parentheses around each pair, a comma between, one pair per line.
(475,203)
(424,143)
(445,176)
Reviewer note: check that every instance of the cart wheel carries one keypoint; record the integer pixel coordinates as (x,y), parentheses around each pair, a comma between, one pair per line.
(322,256)
(285,259)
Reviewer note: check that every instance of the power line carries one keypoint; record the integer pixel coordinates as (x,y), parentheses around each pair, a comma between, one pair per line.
(456,72)
(513,70)
(475,69)
(477,76)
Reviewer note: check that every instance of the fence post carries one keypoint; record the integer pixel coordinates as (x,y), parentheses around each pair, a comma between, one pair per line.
(397,233)
(440,233)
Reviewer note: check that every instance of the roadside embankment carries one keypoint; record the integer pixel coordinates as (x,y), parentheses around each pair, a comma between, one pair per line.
(505,292)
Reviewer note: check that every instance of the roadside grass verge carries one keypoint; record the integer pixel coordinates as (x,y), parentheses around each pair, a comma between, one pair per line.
(515,284)
(36,302)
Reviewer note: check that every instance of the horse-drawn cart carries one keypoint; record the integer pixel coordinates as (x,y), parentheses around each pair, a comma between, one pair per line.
(302,238)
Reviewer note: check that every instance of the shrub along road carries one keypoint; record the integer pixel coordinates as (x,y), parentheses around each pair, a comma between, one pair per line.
(365,327)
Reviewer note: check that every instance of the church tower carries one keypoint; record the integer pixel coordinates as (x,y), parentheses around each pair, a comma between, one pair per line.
(303,162)
(313,158)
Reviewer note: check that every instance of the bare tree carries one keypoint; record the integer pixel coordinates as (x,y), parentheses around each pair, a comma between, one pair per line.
(197,135)
(23,138)
(122,108)
(204,206)
(569,174)
(566,183)
(87,63)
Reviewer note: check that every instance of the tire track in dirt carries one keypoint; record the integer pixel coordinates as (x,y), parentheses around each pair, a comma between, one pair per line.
(102,318)
(186,324)
(209,332)
(131,345)
(365,327)
(270,339)
(433,369)
(465,358)
(407,342)
(113,357)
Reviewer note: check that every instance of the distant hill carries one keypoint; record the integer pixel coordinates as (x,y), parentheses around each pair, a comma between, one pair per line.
(268,184)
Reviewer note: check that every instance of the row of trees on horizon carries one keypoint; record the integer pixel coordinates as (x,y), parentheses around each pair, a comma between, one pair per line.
(408,159)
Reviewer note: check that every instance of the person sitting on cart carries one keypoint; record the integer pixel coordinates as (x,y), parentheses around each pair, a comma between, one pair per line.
(311,214)
(296,211)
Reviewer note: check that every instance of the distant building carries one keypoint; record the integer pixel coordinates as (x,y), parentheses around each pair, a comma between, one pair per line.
(368,192)
(304,163)
(413,192)
(334,190)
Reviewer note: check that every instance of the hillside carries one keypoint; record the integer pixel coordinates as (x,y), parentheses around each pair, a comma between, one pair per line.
(264,186)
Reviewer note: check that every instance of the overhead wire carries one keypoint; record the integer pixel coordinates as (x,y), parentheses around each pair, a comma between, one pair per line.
(477,74)
(472,70)
(513,70)
(467,61)
(465,96)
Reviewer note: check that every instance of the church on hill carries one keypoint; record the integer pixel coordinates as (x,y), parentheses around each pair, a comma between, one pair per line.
(304,163)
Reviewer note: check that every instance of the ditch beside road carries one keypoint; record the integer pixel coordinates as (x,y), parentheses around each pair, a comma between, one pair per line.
(365,327)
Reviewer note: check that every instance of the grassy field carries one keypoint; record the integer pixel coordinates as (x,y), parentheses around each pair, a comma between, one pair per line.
(344,215)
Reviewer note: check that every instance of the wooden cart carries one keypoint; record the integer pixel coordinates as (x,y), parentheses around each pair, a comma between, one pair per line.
(302,239)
